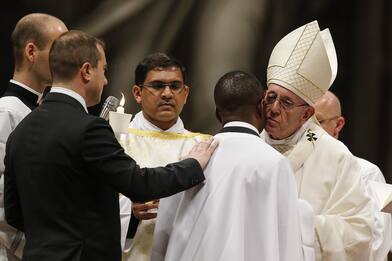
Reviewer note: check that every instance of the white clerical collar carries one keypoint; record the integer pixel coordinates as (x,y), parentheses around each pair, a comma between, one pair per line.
(71,93)
(141,123)
(291,140)
(241,124)
(24,86)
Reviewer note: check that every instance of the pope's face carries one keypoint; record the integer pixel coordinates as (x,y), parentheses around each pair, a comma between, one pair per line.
(162,106)
(285,112)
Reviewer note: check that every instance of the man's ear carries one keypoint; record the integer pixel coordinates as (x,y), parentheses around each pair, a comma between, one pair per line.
(186,93)
(137,93)
(86,72)
(217,115)
(259,109)
(339,125)
(30,52)
(308,113)
(260,105)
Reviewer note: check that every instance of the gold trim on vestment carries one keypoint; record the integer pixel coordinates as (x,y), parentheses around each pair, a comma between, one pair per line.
(167,135)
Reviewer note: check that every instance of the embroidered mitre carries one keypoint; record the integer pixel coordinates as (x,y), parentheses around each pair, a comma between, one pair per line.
(304,62)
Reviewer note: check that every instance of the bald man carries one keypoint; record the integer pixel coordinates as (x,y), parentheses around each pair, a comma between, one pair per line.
(31,40)
(329,115)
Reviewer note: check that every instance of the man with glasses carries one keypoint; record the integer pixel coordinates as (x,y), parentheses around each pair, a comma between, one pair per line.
(156,137)
(329,115)
(301,69)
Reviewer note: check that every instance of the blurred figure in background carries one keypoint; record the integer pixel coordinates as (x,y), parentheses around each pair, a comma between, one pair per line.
(329,115)
(156,137)
(31,39)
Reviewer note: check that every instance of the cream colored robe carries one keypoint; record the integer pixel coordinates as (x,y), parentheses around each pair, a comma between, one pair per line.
(382,234)
(328,177)
(149,146)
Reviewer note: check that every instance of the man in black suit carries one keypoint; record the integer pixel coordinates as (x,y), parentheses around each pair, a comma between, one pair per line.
(31,41)
(64,168)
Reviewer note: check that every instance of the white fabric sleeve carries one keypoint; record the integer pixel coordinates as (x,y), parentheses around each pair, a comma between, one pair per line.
(344,229)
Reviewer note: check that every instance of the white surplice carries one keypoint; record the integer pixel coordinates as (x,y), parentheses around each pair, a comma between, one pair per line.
(328,177)
(12,112)
(150,146)
(245,211)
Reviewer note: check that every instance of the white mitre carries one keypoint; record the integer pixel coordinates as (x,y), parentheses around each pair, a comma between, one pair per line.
(304,62)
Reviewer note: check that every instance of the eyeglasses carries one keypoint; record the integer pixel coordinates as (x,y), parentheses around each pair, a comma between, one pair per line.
(285,102)
(328,119)
(157,87)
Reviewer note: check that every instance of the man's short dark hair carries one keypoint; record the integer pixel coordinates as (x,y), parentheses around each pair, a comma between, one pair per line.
(154,61)
(31,28)
(70,51)
(236,91)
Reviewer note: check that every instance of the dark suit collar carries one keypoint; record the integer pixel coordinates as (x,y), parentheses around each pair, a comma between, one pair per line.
(63,98)
(27,97)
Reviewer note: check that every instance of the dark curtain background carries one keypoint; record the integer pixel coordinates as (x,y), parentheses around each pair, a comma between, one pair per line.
(213,37)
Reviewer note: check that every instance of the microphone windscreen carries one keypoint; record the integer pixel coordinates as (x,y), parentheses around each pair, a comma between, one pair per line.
(111,103)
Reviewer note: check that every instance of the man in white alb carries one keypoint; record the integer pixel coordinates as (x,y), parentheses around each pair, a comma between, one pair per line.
(247,208)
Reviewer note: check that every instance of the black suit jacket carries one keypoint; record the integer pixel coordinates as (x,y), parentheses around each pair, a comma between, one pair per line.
(64,169)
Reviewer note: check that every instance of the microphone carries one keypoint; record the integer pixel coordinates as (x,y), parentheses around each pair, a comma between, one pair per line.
(110,104)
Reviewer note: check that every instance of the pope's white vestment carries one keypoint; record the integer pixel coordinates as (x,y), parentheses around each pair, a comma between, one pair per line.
(150,146)
(246,210)
(328,177)
(382,234)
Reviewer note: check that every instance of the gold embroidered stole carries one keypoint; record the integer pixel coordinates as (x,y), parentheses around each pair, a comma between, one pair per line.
(153,149)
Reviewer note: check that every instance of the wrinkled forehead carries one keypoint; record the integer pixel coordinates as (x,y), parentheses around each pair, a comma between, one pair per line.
(283,92)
